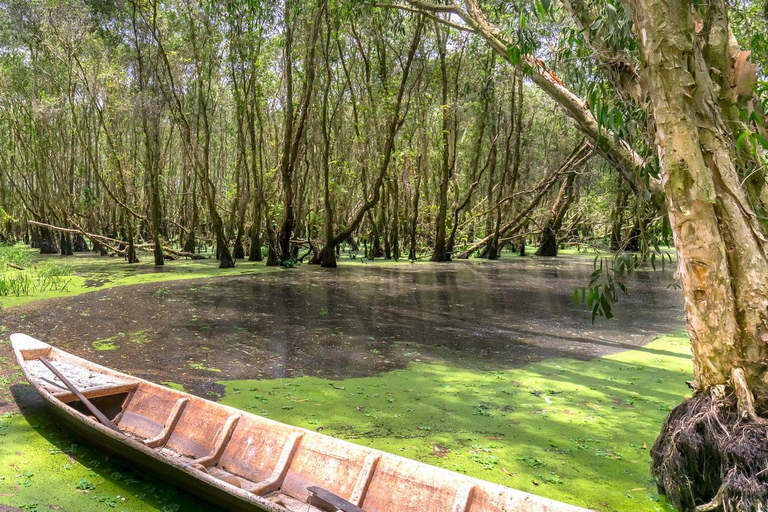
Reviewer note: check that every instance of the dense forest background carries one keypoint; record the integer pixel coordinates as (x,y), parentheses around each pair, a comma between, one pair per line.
(284,130)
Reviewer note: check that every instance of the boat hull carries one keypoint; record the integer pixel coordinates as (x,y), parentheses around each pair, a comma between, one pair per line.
(173,475)
(240,461)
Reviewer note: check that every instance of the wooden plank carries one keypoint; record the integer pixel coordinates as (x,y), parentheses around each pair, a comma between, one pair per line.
(274,482)
(463,498)
(364,480)
(99,415)
(170,424)
(326,499)
(221,442)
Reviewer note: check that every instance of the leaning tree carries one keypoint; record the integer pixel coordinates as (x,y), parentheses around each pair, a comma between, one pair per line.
(682,65)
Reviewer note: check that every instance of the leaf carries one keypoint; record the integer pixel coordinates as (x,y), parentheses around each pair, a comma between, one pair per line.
(606,305)
(743,138)
(513,55)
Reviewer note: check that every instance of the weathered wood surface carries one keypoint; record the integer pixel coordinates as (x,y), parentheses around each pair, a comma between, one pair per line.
(329,501)
(96,412)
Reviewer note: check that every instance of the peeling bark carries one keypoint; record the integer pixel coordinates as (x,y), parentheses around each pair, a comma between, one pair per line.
(687,63)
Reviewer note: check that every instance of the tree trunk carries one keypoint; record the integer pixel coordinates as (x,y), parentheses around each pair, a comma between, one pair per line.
(255,245)
(712,451)
(394,124)
(66,244)
(238,251)
(439,253)
(415,213)
(46,242)
(554,222)
(79,244)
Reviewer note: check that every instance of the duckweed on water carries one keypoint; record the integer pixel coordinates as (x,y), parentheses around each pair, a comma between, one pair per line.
(570,430)
(574,431)
(45,469)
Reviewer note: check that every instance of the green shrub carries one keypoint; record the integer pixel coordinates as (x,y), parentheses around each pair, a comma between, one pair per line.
(49,275)
(14,254)
(17,283)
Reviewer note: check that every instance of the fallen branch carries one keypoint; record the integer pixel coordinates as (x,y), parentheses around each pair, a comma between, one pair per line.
(579,155)
(14,266)
(113,244)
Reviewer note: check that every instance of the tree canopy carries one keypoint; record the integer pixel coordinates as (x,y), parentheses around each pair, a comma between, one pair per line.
(447,129)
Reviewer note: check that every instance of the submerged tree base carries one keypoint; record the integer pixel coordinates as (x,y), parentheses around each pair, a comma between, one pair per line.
(711,457)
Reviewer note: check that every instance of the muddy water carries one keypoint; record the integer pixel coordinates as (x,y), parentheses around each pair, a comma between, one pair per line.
(353,321)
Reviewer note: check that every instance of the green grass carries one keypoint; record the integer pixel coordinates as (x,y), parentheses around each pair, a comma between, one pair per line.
(574,431)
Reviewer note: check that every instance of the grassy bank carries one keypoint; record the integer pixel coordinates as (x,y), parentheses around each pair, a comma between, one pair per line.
(87,272)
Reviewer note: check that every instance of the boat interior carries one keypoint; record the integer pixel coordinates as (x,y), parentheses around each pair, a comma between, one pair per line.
(280,463)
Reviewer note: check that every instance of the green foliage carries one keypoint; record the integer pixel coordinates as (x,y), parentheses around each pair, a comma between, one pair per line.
(14,254)
(17,284)
(289,263)
(52,276)
(46,276)
(606,280)
(604,283)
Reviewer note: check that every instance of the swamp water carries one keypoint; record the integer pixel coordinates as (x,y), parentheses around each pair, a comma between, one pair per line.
(487,368)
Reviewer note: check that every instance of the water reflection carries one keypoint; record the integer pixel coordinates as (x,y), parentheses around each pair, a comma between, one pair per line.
(358,320)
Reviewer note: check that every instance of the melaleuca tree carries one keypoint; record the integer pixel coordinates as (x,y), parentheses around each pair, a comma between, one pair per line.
(680,64)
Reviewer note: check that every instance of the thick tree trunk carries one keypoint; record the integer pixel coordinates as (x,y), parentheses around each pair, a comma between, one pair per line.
(565,197)
(238,251)
(46,242)
(255,246)
(79,244)
(66,244)
(687,62)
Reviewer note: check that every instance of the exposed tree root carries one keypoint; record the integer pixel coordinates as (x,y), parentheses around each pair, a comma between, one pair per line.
(712,454)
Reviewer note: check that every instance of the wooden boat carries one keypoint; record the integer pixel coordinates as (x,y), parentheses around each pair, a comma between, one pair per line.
(241,461)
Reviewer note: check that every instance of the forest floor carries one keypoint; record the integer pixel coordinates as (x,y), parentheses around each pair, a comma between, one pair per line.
(484,368)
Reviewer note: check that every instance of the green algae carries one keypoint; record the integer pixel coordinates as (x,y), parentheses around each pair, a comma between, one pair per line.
(574,431)
(105,344)
(44,468)
(570,430)
(200,366)
(174,385)
(139,337)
